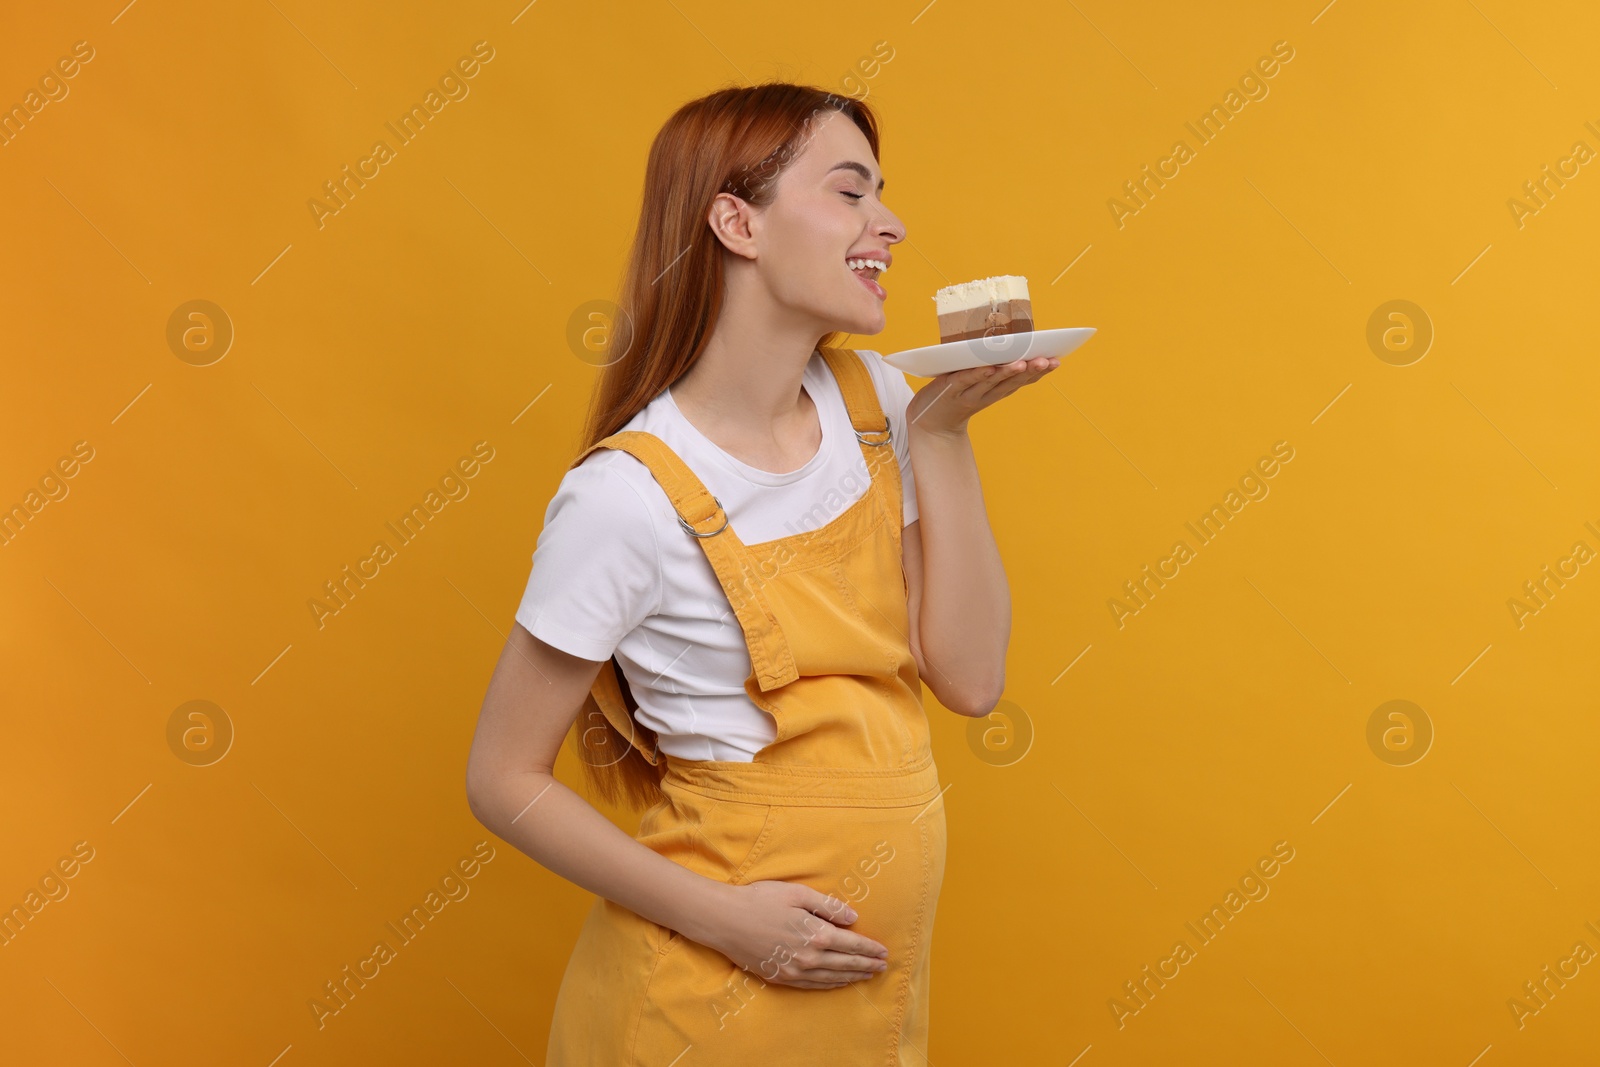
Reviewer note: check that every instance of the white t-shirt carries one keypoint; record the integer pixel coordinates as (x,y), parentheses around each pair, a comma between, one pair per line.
(613,572)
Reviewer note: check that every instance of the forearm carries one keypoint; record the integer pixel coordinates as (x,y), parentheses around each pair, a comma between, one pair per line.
(568,836)
(964,619)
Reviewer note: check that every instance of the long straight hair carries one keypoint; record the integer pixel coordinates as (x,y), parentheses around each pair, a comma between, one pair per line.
(735,140)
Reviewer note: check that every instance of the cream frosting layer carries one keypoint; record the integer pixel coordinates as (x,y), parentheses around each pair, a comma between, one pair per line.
(985,292)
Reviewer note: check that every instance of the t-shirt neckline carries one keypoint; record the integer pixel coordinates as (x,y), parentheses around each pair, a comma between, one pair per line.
(756,474)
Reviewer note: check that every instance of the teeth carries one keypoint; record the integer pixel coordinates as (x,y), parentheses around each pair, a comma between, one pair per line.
(857,264)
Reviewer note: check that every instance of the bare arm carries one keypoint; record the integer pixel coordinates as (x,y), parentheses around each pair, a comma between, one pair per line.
(959,600)
(534,695)
(957,595)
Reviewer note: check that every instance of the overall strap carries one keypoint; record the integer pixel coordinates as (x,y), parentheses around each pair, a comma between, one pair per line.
(701,516)
(606,692)
(860,397)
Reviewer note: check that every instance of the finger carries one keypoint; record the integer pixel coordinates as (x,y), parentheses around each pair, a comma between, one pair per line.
(962,382)
(999,373)
(971,385)
(960,377)
(982,393)
(850,961)
(837,977)
(813,975)
(828,907)
(1017,381)
(853,944)
(984,379)
(801,983)
(1028,366)
(1011,378)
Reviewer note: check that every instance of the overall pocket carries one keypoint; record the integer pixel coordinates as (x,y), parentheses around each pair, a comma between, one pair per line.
(718,839)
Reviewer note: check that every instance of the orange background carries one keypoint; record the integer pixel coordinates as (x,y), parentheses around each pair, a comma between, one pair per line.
(432,312)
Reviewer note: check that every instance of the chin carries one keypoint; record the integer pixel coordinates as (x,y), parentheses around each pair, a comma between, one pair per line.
(856,329)
(864,325)
(851,316)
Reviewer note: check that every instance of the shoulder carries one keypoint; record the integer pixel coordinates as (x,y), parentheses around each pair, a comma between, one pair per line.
(608,494)
(597,570)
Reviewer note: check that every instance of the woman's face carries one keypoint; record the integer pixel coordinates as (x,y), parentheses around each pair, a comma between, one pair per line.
(826,212)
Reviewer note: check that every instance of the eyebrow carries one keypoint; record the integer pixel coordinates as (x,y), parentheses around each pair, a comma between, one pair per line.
(851,164)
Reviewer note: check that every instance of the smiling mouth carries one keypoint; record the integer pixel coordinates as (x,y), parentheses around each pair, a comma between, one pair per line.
(866,268)
(866,272)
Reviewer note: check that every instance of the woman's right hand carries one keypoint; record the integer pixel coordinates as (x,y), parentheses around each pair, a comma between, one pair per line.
(791,934)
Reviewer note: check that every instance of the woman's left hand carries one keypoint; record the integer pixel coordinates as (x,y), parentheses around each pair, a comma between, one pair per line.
(946,403)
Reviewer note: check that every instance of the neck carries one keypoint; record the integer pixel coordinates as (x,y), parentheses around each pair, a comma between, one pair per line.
(745,384)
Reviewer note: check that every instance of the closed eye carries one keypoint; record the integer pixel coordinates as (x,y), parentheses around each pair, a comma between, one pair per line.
(856,196)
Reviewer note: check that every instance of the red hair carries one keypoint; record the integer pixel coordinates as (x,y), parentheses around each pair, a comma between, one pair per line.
(736,140)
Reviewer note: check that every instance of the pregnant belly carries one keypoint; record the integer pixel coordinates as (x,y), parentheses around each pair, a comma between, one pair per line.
(886,863)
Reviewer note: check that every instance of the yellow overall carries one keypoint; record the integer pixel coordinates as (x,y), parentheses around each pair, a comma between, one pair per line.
(845,800)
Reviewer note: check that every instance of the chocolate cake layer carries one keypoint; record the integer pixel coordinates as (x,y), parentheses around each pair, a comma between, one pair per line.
(1012,316)
(1014,326)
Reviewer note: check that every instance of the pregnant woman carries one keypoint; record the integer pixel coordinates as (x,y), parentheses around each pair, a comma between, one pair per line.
(735,601)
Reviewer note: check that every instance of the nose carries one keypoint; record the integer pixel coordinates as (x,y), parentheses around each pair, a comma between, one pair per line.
(887,224)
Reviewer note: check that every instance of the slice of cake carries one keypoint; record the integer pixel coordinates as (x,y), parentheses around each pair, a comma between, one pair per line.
(984,308)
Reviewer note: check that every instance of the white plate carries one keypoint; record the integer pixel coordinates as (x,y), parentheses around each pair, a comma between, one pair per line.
(981,351)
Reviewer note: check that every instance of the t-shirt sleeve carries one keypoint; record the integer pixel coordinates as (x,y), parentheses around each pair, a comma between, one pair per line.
(596,567)
(894,393)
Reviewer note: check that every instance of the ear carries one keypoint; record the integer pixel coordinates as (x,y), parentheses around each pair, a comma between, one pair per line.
(734,222)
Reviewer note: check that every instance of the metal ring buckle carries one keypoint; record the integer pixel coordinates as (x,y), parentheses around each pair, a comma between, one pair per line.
(695,533)
(887,431)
